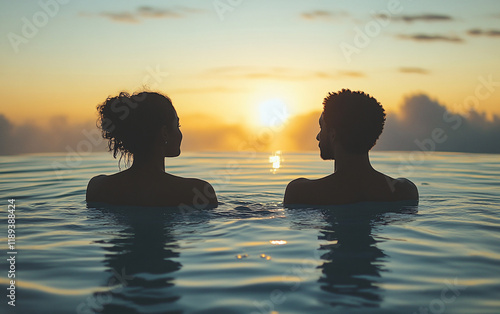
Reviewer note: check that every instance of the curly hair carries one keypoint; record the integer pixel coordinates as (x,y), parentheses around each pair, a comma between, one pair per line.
(131,122)
(357,118)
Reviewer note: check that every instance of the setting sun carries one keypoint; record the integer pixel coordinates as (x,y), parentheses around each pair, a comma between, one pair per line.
(273,112)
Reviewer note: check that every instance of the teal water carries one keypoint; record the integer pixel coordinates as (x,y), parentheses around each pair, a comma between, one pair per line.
(252,255)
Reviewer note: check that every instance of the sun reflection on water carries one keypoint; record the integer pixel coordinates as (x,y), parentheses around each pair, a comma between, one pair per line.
(278,242)
(275,161)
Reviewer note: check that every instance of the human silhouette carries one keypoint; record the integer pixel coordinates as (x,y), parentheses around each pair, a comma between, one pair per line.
(141,262)
(145,127)
(350,124)
(353,262)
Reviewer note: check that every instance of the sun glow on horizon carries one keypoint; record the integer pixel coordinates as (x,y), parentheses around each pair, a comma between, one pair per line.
(273,112)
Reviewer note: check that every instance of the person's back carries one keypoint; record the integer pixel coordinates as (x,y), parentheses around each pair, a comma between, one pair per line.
(127,188)
(334,190)
(145,127)
(350,124)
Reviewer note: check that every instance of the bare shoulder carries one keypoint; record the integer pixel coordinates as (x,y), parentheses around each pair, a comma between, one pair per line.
(202,191)
(94,187)
(296,190)
(202,185)
(190,182)
(405,189)
(97,181)
(299,182)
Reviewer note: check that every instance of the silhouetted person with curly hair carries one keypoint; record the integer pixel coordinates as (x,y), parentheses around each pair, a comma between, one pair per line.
(145,127)
(350,125)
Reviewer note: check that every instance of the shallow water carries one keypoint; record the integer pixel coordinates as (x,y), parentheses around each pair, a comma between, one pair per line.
(252,255)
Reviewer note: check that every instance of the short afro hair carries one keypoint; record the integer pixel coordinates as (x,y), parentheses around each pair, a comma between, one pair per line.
(357,118)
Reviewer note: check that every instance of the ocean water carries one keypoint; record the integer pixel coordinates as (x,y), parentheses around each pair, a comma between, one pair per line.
(251,254)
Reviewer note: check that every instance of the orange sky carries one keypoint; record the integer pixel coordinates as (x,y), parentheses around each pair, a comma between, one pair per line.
(228,66)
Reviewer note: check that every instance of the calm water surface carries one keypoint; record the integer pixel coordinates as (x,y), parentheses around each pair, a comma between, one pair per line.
(252,255)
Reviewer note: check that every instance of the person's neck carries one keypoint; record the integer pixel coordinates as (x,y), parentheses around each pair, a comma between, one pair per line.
(348,163)
(148,164)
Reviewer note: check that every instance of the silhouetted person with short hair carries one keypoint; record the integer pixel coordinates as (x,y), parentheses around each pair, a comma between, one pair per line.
(145,126)
(350,125)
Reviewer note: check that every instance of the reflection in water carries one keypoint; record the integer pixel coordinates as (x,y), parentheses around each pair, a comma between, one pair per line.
(353,261)
(278,242)
(140,261)
(275,161)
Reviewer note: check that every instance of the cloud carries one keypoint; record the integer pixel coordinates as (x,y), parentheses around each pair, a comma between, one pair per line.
(121,17)
(414,70)
(351,73)
(412,128)
(29,138)
(155,13)
(420,117)
(277,73)
(323,15)
(430,38)
(300,132)
(200,133)
(146,12)
(6,130)
(487,33)
(418,18)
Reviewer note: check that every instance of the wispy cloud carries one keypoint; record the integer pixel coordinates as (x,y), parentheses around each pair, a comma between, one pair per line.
(419,18)
(414,70)
(146,12)
(324,15)
(123,17)
(431,38)
(278,73)
(487,33)
(351,74)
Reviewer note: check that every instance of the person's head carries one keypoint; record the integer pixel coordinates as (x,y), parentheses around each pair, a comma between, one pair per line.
(140,124)
(351,121)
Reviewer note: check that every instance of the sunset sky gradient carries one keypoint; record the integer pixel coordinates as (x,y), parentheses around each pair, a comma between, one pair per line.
(223,62)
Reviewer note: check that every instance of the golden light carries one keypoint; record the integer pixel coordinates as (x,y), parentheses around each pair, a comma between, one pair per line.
(267,257)
(278,242)
(273,112)
(275,161)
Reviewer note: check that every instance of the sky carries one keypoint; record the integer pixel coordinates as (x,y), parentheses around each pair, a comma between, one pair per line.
(247,71)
